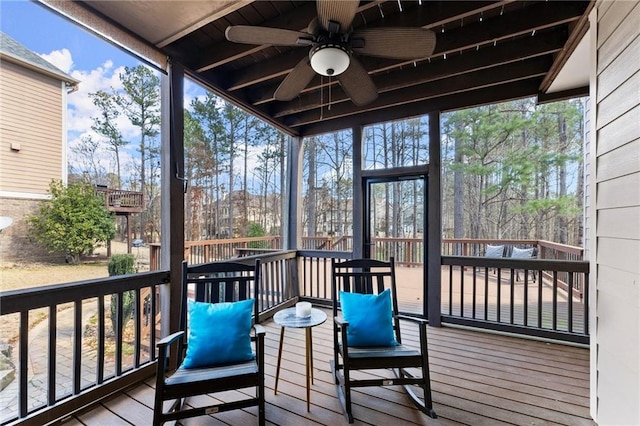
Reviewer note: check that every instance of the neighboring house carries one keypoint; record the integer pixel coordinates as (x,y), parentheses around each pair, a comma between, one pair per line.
(33,140)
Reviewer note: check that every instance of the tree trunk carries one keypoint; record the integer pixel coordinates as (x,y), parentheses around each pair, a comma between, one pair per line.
(562,177)
(458,196)
(312,188)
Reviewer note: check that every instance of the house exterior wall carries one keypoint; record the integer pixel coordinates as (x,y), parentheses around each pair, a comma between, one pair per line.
(615,213)
(32,153)
(32,107)
(587,167)
(16,246)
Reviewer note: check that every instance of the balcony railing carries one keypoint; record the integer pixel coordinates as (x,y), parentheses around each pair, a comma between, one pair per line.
(539,297)
(120,201)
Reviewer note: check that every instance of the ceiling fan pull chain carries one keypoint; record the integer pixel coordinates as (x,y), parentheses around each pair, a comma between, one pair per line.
(329,103)
(321,96)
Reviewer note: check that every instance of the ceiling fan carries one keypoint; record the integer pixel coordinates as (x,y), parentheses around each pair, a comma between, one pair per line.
(333,44)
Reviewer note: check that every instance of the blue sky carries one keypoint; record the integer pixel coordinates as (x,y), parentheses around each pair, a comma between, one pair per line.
(93,61)
(43,31)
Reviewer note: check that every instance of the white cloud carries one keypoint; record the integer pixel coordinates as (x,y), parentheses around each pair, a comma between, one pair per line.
(81,111)
(60,58)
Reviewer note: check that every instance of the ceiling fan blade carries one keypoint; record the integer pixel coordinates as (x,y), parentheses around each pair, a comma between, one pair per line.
(299,77)
(357,84)
(396,43)
(340,11)
(264,35)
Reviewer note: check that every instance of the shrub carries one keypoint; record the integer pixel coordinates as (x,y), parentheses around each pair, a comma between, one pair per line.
(121,264)
(256,230)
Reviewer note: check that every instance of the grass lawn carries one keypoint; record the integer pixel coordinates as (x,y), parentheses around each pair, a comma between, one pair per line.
(38,274)
(26,276)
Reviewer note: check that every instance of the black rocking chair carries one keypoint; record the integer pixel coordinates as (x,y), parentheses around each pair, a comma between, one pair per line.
(214,283)
(372,277)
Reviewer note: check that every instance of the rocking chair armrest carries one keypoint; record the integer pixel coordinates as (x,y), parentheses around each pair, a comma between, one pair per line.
(259,330)
(163,353)
(169,339)
(416,320)
(340,322)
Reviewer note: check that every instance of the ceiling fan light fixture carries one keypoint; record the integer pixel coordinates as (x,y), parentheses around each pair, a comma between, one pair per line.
(329,59)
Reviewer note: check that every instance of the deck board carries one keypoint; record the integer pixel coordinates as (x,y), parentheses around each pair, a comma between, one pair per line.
(477,378)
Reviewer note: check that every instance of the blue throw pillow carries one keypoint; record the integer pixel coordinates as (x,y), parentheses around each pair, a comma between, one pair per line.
(219,333)
(369,317)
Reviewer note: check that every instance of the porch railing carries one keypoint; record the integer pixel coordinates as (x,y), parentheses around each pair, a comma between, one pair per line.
(406,251)
(496,293)
(543,298)
(74,356)
(84,347)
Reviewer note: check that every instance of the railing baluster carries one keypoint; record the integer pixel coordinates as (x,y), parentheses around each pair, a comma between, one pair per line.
(51,386)
(511,295)
(474,297)
(138,329)
(462,291)
(540,305)
(24,362)
(317,275)
(570,304)
(118,333)
(77,346)
(100,343)
(525,304)
(451,290)
(499,297)
(486,293)
(585,313)
(555,300)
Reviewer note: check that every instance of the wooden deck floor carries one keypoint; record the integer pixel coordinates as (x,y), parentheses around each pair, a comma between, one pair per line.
(477,379)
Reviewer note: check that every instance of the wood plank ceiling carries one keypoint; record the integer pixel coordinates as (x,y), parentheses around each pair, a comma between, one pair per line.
(486,51)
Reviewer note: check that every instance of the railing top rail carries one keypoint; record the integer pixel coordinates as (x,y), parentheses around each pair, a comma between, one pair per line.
(40,297)
(579,251)
(489,241)
(506,262)
(272,256)
(326,254)
(228,241)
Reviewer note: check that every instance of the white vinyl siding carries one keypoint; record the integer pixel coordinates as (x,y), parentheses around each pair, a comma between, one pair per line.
(615,175)
(32,117)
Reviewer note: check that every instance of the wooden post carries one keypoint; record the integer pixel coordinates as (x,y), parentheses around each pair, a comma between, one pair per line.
(358,193)
(291,224)
(434,225)
(172,198)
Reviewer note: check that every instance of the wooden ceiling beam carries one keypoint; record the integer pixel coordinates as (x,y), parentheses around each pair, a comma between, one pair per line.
(536,17)
(511,51)
(481,96)
(225,51)
(521,70)
(419,16)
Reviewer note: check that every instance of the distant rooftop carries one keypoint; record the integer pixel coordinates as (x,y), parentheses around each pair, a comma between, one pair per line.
(13,51)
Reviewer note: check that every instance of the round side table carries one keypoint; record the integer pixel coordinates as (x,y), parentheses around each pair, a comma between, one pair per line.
(287,318)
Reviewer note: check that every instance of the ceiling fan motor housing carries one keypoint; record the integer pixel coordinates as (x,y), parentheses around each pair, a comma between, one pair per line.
(329,59)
